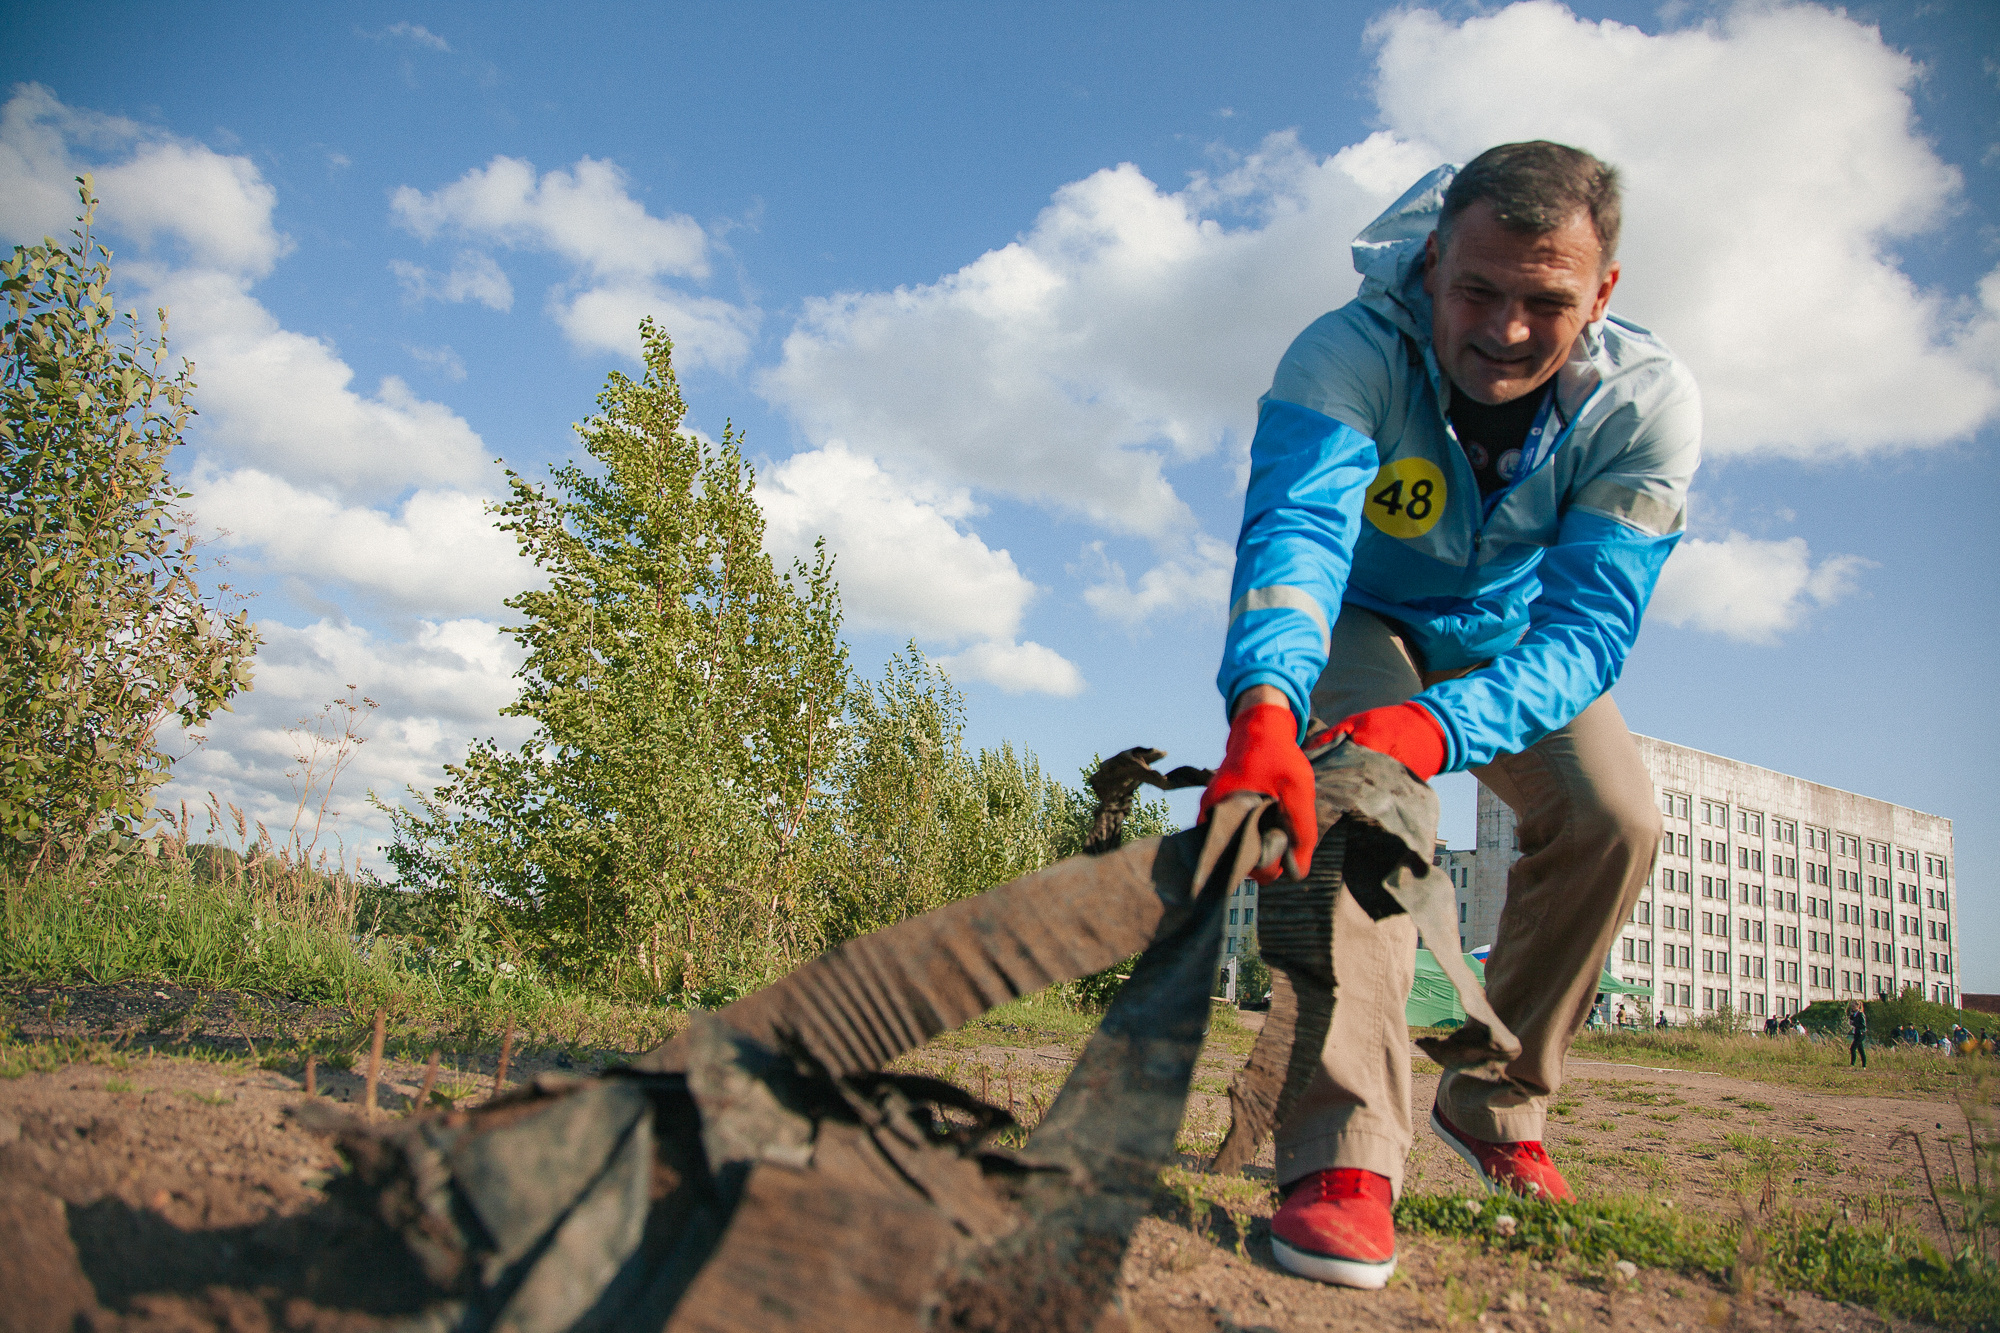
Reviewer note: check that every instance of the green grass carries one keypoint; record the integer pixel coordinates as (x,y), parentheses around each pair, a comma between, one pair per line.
(1819,1065)
(155,925)
(200,934)
(1893,1271)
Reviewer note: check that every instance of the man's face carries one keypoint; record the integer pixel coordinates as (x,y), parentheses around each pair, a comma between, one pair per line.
(1506,306)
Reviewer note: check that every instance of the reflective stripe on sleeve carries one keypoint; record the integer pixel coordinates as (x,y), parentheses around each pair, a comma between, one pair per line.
(1633,507)
(1281,598)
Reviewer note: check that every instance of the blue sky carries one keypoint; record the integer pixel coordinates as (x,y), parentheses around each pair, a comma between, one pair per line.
(993,290)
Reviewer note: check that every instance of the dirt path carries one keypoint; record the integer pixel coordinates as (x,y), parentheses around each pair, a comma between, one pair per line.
(175,1194)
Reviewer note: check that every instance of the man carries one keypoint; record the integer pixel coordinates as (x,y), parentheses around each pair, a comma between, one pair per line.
(1857,1034)
(1463,485)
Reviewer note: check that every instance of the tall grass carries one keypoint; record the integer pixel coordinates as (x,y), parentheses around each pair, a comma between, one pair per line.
(156,923)
(1817,1062)
(160,924)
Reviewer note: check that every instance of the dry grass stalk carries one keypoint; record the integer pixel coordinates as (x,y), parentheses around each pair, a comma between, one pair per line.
(312,1069)
(1930,1184)
(506,1054)
(374,1062)
(430,1081)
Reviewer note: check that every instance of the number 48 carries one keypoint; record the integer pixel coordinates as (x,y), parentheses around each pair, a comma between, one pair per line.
(1417,507)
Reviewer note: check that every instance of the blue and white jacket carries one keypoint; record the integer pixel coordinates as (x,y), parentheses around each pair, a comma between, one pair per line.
(1360,494)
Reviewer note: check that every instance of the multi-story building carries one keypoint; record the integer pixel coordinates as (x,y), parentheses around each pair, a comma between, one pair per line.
(1459,863)
(1239,929)
(1769,891)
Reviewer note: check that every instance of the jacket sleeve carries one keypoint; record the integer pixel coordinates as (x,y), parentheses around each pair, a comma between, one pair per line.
(1596,581)
(1301,514)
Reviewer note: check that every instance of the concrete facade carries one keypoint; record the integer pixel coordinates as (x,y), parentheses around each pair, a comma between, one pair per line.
(1769,891)
(1239,929)
(1461,864)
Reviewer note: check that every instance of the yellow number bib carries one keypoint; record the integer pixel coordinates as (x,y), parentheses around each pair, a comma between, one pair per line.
(1406,498)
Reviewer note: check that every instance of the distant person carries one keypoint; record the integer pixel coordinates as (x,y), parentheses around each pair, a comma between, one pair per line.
(1857,1040)
(1661,1022)
(1463,486)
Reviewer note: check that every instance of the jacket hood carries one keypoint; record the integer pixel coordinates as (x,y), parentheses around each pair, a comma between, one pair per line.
(1389,254)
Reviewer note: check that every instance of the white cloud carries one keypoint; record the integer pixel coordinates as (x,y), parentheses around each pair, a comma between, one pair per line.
(269,397)
(621,253)
(435,691)
(1197,581)
(218,208)
(904,562)
(706,331)
(1770,159)
(1747,589)
(1127,329)
(585,216)
(281,401)
(1017,668)
(418,35)
(441,359)
(473,277)
(439,554)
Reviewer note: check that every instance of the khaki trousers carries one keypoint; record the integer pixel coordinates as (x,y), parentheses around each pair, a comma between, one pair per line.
(1589,828)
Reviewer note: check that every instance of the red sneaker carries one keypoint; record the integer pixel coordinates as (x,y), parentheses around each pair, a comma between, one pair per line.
(1336,1227)
(1519,1168)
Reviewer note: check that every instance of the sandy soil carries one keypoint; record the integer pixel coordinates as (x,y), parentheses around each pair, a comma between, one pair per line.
(176,1194)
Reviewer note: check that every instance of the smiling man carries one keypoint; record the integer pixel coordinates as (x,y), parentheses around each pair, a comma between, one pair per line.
(1463,486)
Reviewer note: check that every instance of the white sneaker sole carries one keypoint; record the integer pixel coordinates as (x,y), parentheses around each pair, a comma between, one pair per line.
(1451,1142)
(1339,1272)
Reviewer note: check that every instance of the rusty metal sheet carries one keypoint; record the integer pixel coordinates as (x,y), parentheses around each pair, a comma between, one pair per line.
(762,1172)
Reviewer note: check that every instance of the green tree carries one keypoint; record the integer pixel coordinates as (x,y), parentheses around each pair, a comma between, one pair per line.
(689,705)
(105,630)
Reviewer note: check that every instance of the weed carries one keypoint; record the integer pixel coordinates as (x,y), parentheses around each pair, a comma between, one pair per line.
(1884,1266)
(120,1085)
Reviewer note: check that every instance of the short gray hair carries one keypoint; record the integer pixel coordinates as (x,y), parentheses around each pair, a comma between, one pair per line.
(1536,187)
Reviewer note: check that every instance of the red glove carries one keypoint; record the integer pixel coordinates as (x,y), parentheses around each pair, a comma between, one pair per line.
(1406,733)
(1264,756)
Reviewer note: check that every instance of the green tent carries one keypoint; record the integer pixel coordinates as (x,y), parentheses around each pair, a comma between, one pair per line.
(1433,1002)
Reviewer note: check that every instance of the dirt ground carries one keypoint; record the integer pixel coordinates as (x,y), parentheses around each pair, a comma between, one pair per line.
(176,1193)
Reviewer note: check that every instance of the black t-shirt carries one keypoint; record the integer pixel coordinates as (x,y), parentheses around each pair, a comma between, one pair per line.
(1492,436)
